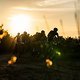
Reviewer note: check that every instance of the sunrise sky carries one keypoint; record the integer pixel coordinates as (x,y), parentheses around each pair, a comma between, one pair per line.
(39,15)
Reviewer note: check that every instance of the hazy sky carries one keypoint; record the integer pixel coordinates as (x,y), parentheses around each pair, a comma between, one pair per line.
(53,10)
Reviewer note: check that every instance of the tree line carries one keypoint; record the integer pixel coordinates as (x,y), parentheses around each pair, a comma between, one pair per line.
(39,47)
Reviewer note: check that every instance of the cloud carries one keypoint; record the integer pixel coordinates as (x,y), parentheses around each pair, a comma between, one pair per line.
(43,9)
(35,3)
(48,3)
(40,5)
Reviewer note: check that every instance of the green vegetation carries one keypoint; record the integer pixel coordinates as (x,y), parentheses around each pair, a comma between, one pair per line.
(32,52)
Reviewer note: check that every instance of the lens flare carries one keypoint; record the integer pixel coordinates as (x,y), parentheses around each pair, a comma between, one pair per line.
(49,62)
(12,60)
(59,53)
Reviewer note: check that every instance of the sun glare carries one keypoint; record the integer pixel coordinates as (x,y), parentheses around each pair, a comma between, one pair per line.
(20,23)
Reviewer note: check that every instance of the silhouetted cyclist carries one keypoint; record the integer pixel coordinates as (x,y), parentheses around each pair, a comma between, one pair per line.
(18,44)
(53,34)
(18,38)
(25,38)
(42,36)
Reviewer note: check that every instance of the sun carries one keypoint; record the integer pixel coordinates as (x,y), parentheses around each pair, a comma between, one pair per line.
(20,23)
